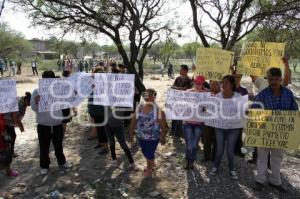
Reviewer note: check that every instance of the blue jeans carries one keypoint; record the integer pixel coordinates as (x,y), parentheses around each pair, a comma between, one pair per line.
(229,136)
(192,134)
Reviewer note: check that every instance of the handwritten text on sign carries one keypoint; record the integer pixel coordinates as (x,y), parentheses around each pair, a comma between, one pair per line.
(273,129)
(115,90)
(56,94)
(258,57)
(189,106)
(213,63)
(230,113)
(202,107)
(8,96)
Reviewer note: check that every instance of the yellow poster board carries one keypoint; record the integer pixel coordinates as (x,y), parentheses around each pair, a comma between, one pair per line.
(213,63)
(273,129)
(257,57)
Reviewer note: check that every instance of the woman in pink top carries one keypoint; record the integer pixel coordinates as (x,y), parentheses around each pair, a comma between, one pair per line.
(193,130)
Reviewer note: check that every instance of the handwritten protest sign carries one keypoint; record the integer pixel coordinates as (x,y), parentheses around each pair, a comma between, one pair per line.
(258,57)
(189,106)
(116,90)
(273,129)
(230,114)
(56,94)
(82,83)
(202,107)
(213,63)
(8,96)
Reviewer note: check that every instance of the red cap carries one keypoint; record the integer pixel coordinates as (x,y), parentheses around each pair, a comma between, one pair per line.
(199,79)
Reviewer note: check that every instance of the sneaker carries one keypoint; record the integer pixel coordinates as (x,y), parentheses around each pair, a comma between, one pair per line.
(66,166)
(114,163)
(279,188)
(44,171)
(213,171)
(233,175)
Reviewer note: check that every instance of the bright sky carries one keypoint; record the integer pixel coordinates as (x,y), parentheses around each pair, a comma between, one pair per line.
(20,22)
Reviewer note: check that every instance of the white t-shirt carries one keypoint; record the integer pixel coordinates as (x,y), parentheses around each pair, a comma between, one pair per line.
(33,64)
(220,95)
(261,83)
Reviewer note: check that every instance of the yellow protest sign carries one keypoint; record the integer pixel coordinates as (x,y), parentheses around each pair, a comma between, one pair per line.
(257,57)
(213,63)
(273,129)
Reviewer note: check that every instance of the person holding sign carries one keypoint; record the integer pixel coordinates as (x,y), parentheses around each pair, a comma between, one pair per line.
(261,83)
(97,113)
(183,82)
(243,91)
(228,136)
(49,128)
(208,138)
(274,97)
(15,119)
(150,122)
(193,130)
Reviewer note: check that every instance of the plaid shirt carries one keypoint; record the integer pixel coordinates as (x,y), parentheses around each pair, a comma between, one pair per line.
(286,101)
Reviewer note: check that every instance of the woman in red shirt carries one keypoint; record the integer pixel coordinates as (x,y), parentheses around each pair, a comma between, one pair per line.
(5,151)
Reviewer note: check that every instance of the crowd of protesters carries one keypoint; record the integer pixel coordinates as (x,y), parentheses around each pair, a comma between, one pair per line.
(148,125)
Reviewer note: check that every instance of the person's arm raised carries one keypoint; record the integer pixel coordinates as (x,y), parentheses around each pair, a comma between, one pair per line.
(287,72)
(163,126)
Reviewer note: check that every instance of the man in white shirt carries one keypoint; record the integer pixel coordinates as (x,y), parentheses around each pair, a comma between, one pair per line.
(34,67)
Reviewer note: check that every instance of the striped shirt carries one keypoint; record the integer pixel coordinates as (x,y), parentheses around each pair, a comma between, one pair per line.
(286,101)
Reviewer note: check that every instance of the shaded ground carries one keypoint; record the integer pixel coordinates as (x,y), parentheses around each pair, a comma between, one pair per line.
(93,176)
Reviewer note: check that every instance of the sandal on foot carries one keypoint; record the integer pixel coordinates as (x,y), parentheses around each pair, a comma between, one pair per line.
(147,173)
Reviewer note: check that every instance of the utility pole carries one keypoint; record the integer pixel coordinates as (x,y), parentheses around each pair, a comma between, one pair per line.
(2,7)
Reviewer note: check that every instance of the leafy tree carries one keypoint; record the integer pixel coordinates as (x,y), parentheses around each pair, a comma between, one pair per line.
(64,47)
(121,20)
(154,52)
(231,20)
(12,43)
(190,49)
(167,50)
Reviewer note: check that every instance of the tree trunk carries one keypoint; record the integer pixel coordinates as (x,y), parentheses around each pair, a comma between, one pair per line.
(130,66)
(138,81)
(141,69)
